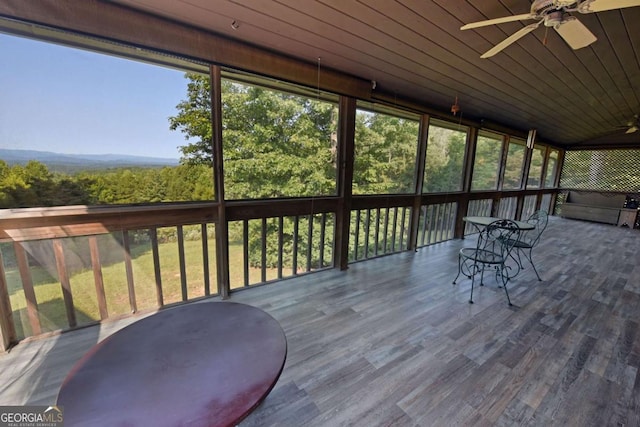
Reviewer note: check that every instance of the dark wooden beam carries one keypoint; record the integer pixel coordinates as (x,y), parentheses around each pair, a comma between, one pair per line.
(118,23)
(222,230)
(423,140)
(346,151)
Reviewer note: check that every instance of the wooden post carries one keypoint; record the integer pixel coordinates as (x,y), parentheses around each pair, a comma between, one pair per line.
(182,261)
(528,154)
(97,276)
(467,172)
(27,286)
(222,228)
(129,271)
(153,233)
(65,283)
(423,141)
(495,209)
(7,328)
(346,149)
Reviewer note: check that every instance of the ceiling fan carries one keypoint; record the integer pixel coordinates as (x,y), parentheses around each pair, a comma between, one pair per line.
(555,14)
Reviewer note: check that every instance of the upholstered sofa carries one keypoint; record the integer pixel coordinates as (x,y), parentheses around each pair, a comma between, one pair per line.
(598,207)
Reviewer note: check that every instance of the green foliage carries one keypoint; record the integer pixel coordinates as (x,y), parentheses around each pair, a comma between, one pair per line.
(33,185)
(513,167)
(302,244)
(194,120)
(185,182)
(535,170)
(487,163)
(277,144)
(445,157)
(385,154)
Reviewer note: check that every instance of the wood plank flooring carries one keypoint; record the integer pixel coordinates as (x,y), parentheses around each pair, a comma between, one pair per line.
(392,342)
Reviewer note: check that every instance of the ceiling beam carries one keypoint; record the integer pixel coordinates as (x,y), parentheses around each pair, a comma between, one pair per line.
(121,24)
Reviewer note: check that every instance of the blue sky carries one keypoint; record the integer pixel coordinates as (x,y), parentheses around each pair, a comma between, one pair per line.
(66,100)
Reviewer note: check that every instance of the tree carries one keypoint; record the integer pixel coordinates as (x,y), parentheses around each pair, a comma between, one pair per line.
(385,154)
(445,157)
(275,144)
(194,120)
(487,163)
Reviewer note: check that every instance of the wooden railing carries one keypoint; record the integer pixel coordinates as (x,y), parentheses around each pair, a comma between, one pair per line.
(437,223)
(66,244)
(67,267)
(303,243)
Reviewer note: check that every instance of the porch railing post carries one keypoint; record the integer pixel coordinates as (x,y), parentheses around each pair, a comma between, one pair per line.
(7,328)
(423,138)
(346,144)
(222,228)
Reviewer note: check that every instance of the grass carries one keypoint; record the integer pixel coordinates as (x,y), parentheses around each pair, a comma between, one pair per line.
(49,292)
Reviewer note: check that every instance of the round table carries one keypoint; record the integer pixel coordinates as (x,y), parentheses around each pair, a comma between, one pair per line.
(486,220)
(203,364)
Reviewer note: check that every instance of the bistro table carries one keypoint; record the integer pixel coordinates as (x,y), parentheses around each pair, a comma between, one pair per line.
(483,221)
(514,268)
(202,364)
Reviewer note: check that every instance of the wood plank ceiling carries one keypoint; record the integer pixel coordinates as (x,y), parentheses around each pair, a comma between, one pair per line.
(414,49)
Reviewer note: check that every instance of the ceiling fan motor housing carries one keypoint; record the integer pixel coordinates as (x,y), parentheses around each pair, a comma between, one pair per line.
(553,19)
(541,7)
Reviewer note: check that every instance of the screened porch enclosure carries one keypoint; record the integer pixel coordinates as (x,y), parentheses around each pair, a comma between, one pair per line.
(283,168)
(275,180)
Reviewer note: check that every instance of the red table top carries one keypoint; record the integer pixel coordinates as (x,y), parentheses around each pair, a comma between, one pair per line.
(205,364)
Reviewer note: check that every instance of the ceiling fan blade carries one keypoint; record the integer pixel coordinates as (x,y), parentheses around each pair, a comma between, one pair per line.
(510,40)
(589,6)
(498,21)
(575,33)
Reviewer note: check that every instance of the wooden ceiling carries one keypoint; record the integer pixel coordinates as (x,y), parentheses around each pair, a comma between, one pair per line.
(414,49)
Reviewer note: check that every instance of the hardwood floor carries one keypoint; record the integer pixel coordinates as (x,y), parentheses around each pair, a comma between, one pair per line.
(392,342)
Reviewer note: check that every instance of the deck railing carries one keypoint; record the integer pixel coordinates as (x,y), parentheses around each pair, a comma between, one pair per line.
(67,267)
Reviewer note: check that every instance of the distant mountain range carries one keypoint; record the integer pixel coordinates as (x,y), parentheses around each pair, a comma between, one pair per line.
(70,162)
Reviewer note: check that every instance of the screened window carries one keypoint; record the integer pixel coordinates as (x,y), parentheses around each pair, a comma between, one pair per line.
(487,161)
(84,128)
(513,167)
(602,170)
(535,170)
(445,157)
(385,153)
(552,169)
(277,144)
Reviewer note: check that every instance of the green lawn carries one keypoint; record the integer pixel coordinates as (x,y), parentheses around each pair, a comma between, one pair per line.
(49,293)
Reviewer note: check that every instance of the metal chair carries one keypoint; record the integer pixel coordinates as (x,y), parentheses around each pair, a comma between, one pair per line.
(530,239)
(493,248)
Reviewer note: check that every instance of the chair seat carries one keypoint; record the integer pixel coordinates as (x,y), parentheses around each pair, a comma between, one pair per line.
(482,255)
(522,244)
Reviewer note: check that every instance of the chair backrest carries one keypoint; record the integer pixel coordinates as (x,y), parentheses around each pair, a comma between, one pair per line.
(499,237)
(540,220)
